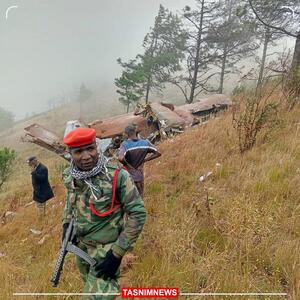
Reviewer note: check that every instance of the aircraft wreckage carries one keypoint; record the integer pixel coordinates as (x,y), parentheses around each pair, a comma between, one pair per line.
(154,121)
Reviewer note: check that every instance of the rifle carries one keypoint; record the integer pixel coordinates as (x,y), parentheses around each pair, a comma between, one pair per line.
(66,247)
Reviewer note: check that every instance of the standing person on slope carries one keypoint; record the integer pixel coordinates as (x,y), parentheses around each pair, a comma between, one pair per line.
(42,190)
(133,153)
(98,197)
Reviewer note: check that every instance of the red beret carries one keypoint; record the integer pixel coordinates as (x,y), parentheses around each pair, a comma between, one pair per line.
(80,137)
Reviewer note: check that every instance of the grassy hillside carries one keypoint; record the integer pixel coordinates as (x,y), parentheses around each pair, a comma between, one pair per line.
(56,119)
(238,231)
(103,104)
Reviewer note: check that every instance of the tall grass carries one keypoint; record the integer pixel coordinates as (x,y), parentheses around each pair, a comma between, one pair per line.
(238,231)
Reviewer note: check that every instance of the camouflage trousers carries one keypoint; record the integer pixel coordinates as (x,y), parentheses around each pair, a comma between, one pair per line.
(92,284)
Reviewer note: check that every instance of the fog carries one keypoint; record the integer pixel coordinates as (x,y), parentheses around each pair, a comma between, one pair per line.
(49,47)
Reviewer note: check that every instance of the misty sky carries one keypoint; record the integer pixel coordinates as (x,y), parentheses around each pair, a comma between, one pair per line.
(48,47)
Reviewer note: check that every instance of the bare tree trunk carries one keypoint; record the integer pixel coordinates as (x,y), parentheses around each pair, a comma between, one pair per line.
(263,59)
(148,89)
(296,56)
(293,85)
(224,58)
(196,61)
(223,69)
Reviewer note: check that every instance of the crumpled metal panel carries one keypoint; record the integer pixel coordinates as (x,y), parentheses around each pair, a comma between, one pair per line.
(166,115)
(208,103)
(153,121)
(115,126)
(185,115)
(38,131)
(43,137)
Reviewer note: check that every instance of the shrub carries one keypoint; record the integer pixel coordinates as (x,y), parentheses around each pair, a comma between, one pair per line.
(256,113)
(7,156)
(291,88)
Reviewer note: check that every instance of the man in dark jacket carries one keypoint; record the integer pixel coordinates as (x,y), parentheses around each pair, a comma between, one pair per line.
(41,188)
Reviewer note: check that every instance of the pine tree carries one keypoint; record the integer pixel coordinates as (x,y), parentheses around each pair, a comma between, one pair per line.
(131,84)
(7,156)
(163,52)
(233,38)
(282,16)
(199,55)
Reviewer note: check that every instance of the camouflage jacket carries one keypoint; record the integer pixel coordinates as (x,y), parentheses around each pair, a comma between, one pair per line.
(110,229)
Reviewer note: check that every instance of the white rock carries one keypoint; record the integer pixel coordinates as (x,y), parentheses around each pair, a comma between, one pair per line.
(42,240)
(202,178)
(34,231)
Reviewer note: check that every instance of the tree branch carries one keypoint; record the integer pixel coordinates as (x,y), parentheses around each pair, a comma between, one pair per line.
(269,25)
(180,87)
(196,25)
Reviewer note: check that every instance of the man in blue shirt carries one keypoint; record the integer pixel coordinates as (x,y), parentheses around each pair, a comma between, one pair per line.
(133,153)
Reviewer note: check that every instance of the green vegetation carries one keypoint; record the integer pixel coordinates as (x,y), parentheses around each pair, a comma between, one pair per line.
(7,156)
(164,49)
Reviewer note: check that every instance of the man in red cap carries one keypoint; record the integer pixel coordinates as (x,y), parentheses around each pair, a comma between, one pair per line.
(98,197)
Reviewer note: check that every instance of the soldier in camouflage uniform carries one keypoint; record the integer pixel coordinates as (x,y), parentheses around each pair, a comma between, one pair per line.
(98,210)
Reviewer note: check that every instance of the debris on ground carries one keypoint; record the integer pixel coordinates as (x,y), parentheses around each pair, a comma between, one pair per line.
(42,240)
(154,121)
(204,177)
(43,137)
(7,216)
(35,232)
(114,126)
